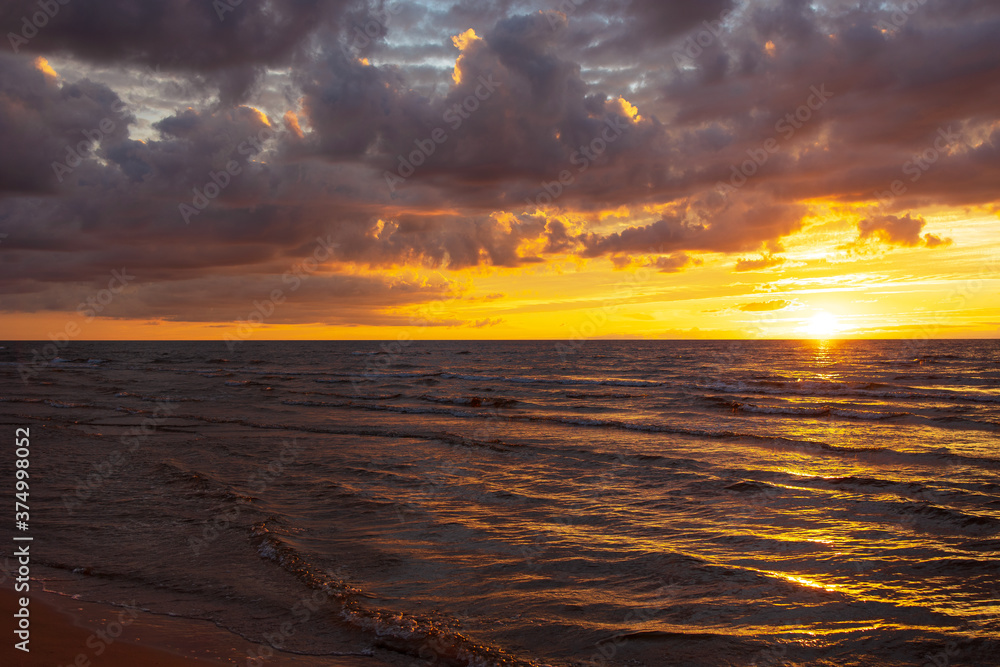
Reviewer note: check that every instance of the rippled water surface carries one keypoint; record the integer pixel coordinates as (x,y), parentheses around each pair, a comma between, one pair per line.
(630,503)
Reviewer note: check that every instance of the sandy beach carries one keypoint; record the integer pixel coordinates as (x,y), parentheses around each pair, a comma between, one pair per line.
(68,632)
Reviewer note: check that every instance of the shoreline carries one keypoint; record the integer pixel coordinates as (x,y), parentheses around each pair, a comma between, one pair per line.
(66,632)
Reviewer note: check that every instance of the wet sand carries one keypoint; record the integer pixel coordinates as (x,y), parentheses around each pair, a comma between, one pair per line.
(68,632)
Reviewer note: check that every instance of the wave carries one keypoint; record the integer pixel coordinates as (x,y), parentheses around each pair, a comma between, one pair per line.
(68,404)
(158,399)
(844,389)
(406,633)
(403,375)
(613,382)
(966,423)
(220,372)
(815,447)
(749,487)
(472,401)
(907,490)
(983,545)
(199,483)
(855,414)
(821,411)
(357,396)
(927,515)
(78,362)
(572,421)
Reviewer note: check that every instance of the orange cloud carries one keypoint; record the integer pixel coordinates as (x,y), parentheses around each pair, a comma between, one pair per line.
(292,123)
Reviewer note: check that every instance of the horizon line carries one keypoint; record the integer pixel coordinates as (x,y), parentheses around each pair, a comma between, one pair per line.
(494,340)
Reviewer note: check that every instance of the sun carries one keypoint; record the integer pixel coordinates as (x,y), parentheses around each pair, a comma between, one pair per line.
(823,325)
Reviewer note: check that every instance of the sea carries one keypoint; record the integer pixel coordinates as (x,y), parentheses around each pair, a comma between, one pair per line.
(527,502)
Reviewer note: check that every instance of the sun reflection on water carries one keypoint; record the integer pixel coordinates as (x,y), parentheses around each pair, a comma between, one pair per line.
(805,581)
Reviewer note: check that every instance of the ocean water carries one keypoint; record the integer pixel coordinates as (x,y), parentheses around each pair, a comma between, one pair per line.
(519,503)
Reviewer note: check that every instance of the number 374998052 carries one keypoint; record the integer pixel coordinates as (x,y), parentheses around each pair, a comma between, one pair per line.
(21,444)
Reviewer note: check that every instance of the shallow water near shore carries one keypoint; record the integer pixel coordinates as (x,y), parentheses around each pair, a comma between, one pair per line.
(515,503)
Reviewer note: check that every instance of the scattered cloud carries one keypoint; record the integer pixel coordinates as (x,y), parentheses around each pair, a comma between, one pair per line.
(902,231)
(676,262)
(765,306)
(761,263)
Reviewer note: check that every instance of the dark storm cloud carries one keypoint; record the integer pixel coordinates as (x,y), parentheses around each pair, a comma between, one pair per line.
(41,123)
(318,299)
(712,226)
(519,111)
(534,132)
(624,23)
(232,40)
(689,138)
(451,241)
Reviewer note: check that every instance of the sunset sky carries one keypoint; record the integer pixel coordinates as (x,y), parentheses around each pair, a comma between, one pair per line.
(771,168)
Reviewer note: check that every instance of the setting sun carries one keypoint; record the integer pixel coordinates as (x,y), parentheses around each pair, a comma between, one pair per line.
(823,325)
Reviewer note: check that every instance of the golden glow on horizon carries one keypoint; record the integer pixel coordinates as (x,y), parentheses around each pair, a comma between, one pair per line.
(818,292)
